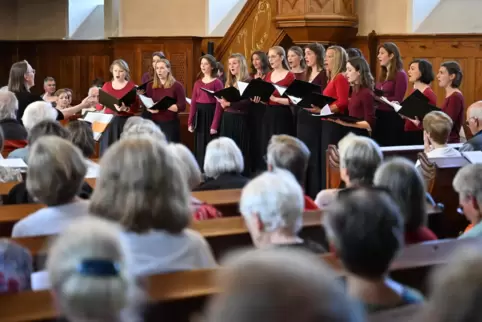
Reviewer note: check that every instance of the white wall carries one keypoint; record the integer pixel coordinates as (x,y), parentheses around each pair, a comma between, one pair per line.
(218,10)
(420,10)
(79,10)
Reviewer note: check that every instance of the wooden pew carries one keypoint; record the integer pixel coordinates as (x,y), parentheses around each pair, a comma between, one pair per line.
(439,174)
(333,180)
(177,296)
(223,234)
(11,214)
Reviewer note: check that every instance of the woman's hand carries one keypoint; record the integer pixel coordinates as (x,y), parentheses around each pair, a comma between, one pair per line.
(213,131)
(89,101)
(173,108)
(122,108)
(141,92)
(190,128)
(256,99)
(152,111)
(224,104)
(314,109)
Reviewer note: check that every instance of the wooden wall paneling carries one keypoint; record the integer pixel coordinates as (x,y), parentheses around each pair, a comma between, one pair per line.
(215,40)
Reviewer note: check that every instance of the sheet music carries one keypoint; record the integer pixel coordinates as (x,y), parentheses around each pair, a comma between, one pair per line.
(395,106)
(281,89)
(13,163)
(188,100)
(242,86)
(207,90)
(146,101)
(474,157)
(99,122)
(294,99)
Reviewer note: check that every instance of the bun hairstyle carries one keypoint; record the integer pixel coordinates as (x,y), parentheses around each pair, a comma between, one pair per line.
(89,272)
(454,69)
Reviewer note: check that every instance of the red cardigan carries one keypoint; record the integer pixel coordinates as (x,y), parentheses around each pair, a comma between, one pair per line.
(338,88)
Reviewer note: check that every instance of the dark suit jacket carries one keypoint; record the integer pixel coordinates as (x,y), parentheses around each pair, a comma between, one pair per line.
(224,181)
(13,130)
(474,144)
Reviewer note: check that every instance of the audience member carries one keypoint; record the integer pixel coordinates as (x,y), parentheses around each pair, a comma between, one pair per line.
(15,268)
(289,153)
(12,129)
(407,187)
(223,165)
(436,130)
(133,120)
(272,206)
(8,174)
(98,82)
(37,112)
(141,129)
(455,289)
(91,274)
(54,177)
(280,285)
(360,157)
(82,136)
(474,123)
(63,99)
(365,228)
(190,167)
(142,187)
(468,184)
(50,88)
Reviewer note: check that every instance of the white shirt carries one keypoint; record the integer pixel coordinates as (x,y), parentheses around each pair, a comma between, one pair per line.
(446,152)
(161,252)
(92,169)
(51,220)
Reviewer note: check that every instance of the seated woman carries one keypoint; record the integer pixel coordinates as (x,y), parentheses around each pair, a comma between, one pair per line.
(190,167)
(91,275)
(468,184)
(360,157)
(14,133)
(16,267)
(64,97)
(8,174)
(365,227)
(272,205)
(139,187)
(82,136)
(143,128)
(407,187)
(55,175)
(223,165)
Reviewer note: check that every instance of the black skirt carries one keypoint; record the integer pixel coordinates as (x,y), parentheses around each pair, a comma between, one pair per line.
(203,120)
(278,119)
(171,129)
(256,149)
(235,127)
(112,133)
(309,131)
(413,137)
(390,128)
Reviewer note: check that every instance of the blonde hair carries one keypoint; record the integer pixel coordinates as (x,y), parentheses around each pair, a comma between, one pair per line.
(188,163)
(142,187)
(170,79)
(87,295)
(280,51)
(122,65)
(56,170)
(341,58)
(231,80)
(438,125)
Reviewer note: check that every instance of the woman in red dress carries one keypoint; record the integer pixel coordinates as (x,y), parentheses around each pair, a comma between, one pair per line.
(278,118)
(420,73)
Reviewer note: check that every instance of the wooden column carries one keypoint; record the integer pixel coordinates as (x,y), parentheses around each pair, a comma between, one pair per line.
(325,21)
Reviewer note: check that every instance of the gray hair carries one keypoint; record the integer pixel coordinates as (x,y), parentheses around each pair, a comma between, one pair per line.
(89,93)
(222,156)
(90,296)
(188,163)
(468,182)
(272,285)
(144,128)
(407,187)
(4,89)
(8,105)
(56,170)
(289,153)
(277,198)
(475,110)
(37,112)
(132,121)
(18,260)
(360,156)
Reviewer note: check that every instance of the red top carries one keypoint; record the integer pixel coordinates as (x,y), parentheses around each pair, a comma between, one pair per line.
(421,235)
(203,211)
(454,107)
(432,99)
(285,82)
(362,106)
(394,90)
(200,96)
(175,91)
(300,76)
(310,204)
(338,88)
(119,93)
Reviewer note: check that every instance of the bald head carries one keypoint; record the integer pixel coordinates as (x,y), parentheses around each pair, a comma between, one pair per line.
(474,117)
